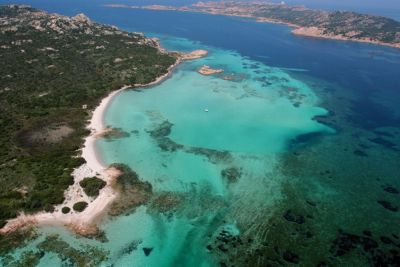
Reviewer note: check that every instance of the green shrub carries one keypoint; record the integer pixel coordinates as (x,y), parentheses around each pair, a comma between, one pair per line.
(65,210)
(92,186)
(48,208)
(80,206)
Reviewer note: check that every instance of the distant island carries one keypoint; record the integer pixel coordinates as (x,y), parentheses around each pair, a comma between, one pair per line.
(207,70)
(338,25)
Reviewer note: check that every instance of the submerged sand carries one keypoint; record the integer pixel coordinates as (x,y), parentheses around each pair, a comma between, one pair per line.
(84,222)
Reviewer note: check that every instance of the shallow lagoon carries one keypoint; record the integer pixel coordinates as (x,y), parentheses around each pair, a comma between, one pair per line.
(295,197)
(253,112)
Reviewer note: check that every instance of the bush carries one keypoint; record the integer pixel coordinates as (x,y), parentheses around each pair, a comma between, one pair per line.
(80,206)
(48,208)
(65,210)
(92,186)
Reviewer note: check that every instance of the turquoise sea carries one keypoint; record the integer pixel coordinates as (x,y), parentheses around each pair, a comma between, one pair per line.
(289,157)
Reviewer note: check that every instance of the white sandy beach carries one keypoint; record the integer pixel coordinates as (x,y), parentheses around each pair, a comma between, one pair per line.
(81,222)
(85,222)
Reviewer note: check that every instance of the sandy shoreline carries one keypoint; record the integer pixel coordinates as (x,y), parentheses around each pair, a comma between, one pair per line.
(84,222)
(314,32)
(80,222)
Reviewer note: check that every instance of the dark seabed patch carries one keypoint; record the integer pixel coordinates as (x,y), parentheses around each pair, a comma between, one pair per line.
(331,185)
(369,115)
(390,189)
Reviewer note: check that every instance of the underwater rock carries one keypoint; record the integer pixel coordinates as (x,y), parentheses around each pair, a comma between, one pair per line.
(391,189)
(166,201)
(290,257)
(386,239)
(162,130)
(360,153)
(367,233)
(387,205)
(213,155)
(311,203)
(114,133)
(166,144)
(222,248)
(376,256)
(129,248)
(231,174)
(292,217)
(98,235)
(383,142)
(87,256)
(305,138)
(147,251)
(383,133)
(308,235)
(368,243)
(347,242)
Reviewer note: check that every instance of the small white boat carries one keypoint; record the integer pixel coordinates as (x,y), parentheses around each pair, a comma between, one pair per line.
(206,110)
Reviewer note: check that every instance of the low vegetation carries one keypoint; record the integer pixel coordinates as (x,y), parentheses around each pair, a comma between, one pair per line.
(65,210)
(80,206)
(53,70)
(92,185)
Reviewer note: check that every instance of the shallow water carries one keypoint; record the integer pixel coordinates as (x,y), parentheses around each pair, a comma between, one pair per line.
(252,118)
(302,191)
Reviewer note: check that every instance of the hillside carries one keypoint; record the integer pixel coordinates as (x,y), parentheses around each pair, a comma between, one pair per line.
(54,70)
(341,25)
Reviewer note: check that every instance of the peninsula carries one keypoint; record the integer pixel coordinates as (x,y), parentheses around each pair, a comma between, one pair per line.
(338,25)
(55,70)
(57,78)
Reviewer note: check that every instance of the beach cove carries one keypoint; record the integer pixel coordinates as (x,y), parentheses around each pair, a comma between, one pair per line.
(260,178)
(173,136)
(85,222)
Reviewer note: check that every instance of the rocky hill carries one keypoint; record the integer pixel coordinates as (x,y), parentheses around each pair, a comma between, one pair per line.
(342,25)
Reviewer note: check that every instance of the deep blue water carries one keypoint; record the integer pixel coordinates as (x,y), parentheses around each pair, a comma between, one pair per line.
(365,82)
(373,72)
